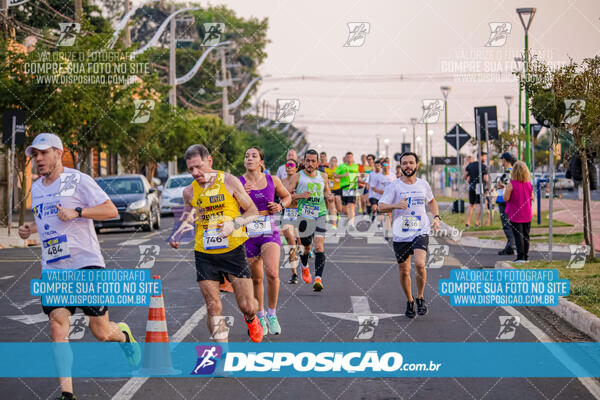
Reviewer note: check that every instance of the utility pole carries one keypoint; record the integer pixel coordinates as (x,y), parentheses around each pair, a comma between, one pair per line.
(127,36)
(78,11)
(226,117)
(172,165)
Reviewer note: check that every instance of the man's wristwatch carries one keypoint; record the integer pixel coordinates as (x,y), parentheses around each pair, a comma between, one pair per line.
(437,216)
(79,210)
(236,225)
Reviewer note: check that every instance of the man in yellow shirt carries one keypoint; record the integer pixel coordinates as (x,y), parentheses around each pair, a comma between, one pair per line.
(217,196)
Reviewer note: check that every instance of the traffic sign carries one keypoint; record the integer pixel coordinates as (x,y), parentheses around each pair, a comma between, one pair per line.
(405,147)
(492,118)
(463,137)
(535,128)
(7,121)
(397,156)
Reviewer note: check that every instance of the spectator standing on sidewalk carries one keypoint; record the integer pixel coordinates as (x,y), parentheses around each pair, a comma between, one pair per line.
(507,161)
(518,196)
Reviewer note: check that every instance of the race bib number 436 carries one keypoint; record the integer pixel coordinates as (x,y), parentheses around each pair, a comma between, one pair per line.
(55,249)
(212,241)
(410,223)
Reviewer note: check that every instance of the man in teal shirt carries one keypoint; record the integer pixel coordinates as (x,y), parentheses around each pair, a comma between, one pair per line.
(348,174)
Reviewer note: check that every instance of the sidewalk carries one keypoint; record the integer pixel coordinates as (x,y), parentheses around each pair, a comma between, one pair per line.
(568,211)
(14,240)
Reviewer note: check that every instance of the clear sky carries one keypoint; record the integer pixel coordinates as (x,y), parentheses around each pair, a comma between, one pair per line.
(428,42)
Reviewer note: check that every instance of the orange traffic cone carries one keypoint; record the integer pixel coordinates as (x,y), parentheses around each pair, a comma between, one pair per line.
(157,355)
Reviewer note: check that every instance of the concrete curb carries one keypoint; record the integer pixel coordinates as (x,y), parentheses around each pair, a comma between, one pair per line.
(581,319)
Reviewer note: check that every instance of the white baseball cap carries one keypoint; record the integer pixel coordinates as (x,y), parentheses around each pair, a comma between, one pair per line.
(44,141)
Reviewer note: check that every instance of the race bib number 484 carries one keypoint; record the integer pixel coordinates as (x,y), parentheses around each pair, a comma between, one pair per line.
(55,249)
(212,241)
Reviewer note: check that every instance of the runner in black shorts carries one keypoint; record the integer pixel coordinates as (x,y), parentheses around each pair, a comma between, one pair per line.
(407,198)
(65,203)
(216,267)
(217,197)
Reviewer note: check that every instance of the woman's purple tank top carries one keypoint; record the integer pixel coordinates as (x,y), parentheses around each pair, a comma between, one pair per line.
(263,196)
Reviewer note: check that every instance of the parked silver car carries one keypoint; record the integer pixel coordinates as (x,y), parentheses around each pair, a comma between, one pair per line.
(172,194)
(137,202)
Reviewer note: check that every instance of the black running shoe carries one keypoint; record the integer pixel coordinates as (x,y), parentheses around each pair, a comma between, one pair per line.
(293,279)
(410,309)
(62,397)
(506,252)
(421,307)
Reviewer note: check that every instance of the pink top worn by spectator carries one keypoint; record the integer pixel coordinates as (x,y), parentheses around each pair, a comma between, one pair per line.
(518,208)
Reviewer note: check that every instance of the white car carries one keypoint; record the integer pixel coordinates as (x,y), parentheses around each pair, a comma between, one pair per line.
(172,194)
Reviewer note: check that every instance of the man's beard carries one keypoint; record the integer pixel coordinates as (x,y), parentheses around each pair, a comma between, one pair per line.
(49,172)
(411,173)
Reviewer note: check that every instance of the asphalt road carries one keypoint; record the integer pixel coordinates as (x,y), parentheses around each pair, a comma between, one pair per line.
(354,268)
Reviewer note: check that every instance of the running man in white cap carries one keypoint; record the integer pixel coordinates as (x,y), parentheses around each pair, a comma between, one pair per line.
(65,203)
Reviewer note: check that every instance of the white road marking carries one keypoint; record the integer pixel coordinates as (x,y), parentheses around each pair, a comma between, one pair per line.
(360,307)
(589,383)
(129,389)
(26,303)
(6,277)
(29,319)
(134,242)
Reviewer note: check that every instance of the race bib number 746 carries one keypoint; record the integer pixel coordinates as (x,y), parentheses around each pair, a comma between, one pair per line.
(212,241)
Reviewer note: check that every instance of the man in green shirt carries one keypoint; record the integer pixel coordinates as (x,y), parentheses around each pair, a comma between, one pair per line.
(348,174)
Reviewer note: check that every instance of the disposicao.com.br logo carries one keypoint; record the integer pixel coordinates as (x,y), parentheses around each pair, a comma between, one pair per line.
(351,362)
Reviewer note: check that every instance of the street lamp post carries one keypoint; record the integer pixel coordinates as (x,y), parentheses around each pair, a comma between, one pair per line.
(426,151)
(429,156)
(526,16)
(403,130)
(508,100)
(445,90)
(387,147)
(518,61)
(413,122)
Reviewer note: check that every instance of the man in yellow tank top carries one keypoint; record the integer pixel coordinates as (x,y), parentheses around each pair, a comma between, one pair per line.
(216,197)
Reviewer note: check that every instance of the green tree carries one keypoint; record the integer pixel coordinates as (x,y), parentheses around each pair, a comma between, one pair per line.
(549,88)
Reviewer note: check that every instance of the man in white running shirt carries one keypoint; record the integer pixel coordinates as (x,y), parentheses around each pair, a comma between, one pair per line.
(65,203)
(407,197)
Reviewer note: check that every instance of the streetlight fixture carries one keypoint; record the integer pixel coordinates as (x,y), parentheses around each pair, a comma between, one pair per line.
(508,100)
(526,17)
(519,61)
(445,91)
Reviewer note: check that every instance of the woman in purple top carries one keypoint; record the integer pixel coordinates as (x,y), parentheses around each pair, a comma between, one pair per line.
(518,197)
(263,247)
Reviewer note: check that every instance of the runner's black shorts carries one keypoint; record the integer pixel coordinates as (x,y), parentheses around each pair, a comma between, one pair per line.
(308,227)
(217,267)
(473,197)
(92,311)
(373,201)
(348,200)
(403,250)
(337,192)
